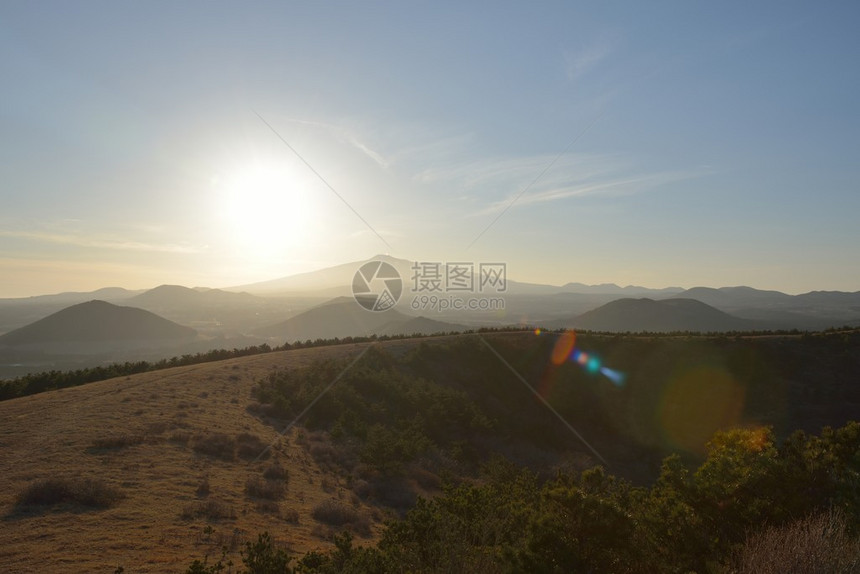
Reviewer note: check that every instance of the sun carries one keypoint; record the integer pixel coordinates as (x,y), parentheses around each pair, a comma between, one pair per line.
(265,208)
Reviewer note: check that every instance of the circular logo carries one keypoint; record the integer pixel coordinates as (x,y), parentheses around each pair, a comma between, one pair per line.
(377,286)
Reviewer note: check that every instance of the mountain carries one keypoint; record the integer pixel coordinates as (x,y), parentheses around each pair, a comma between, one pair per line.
(215,311)
(336,281)
(340,317)
(728,298)
(176,296)
(96,321)
(71,297)
(20,311)
(613,289)
(830,299)
(809,311)
(419,325)
(666,315)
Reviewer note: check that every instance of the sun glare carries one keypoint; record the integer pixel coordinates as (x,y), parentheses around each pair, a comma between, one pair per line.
(265,208)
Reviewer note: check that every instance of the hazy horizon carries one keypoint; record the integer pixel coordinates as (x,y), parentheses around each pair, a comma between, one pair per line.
(517,279)
(661,146)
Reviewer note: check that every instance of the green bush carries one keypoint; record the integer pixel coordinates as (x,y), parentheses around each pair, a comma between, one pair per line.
(263,557)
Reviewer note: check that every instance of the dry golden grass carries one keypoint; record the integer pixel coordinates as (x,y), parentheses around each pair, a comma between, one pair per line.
(137,434)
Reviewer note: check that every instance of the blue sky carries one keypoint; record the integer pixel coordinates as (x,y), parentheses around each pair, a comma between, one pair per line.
(712,143)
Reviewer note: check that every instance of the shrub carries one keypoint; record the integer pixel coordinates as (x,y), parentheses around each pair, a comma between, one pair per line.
(268,507)
(263,557)
(217,445)
(203,487)
(335,513)
(819,543)
(291,516)
(210,509)
(250,446)
(92,493)
(276,472)
(257,487)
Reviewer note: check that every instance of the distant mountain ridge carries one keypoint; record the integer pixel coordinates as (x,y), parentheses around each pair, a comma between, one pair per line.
(336,281)
(737,297)
(178,296)
(667,315)
(255,308)
(96,321)
(110,294)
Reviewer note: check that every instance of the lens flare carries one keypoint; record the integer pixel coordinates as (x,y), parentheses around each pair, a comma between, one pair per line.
(582,359)
(697,403)
(612,375)
(565,350)
(563,347)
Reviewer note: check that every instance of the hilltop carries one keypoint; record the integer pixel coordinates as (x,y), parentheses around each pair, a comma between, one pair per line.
(96,321)
(340,317)
(668,315)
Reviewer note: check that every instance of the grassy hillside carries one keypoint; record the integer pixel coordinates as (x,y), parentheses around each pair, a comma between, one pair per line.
(177,445)
(157,468)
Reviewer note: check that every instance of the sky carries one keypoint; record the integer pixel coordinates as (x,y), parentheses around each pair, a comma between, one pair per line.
(222,143)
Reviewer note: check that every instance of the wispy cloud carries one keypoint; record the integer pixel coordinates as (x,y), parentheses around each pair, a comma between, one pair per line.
(432,147)
(574,175)
(579,63)
(410,145)
(513,172)
(101,242)
(372,154)
(631,184)
(345,135)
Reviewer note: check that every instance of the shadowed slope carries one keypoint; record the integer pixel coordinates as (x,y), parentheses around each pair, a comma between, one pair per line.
(341,317)
(96,321)
(649,315)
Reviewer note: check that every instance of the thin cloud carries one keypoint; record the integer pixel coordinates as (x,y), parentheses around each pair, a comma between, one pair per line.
(374,155)
(102,243)
(505,171)
(613,186)
(574,175)
(580,63)
(439,148)
(345,135)
(400,139)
